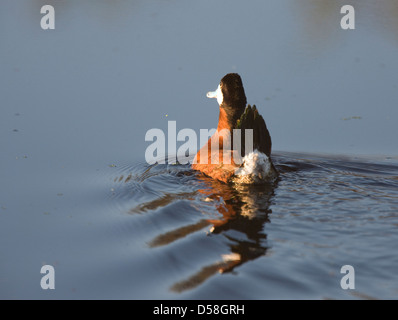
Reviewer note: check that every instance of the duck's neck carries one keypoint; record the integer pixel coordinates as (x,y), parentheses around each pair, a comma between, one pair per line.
(228,117)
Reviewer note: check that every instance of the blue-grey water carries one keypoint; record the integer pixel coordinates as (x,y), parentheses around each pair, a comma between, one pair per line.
(75,189)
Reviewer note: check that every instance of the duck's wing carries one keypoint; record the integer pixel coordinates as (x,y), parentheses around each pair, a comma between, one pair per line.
(251,119)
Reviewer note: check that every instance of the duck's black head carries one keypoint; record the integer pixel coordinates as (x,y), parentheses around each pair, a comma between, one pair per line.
(230,96)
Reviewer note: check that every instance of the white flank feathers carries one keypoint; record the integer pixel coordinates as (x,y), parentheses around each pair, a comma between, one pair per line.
(256,168)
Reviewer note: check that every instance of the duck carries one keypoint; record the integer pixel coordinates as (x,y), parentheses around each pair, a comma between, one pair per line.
(240,149)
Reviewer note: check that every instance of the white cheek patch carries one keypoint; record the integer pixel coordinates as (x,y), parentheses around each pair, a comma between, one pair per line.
(220,97)
(216,94)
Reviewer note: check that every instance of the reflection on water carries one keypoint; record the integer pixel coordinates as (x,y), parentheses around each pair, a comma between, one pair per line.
(318,19)
(243,211)
(318,203)
(321,19)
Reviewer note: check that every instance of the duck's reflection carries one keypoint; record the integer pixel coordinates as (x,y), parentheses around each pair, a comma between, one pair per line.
(244,211)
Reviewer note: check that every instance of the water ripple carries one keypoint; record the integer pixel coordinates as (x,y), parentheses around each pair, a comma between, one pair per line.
(326,208)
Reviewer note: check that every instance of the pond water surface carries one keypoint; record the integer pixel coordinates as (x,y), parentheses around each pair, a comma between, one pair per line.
(77,194)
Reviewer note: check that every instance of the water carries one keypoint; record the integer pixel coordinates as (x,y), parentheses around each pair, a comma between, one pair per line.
(76,192)
(163,231)
(284,240)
